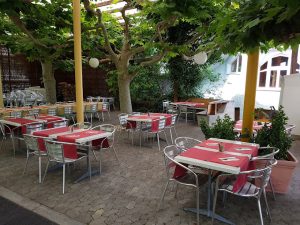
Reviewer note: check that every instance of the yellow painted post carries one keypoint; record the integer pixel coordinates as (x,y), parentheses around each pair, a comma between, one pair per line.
(1,90)
(250,92)
(78,61)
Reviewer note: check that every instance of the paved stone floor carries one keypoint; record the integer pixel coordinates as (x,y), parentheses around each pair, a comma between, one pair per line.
(129,193)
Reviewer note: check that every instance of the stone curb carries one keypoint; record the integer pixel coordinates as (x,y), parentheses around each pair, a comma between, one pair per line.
(42,210)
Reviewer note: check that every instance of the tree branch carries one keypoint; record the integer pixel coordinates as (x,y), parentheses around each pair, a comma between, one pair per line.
(15,18)
(98,14)
(126,45)
(154,59)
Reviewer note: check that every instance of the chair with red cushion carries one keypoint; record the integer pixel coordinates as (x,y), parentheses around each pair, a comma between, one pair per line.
(105,143)
(55,151)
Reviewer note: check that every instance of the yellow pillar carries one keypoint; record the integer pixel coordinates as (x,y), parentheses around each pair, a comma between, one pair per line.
(78,61)
(250,92)
(1,90)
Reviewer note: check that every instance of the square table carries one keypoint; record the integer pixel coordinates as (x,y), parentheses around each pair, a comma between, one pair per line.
(18,122)
(85,136)
(207,155)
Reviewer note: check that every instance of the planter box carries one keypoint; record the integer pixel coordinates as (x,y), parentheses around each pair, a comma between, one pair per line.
(281,174)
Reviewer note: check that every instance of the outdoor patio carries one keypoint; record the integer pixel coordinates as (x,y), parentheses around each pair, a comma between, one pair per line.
(129,193)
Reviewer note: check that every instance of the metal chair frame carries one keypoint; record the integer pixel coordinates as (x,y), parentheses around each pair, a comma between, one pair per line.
(68,113)
(55,151)
(110,140)
(147,128)
(92,111)
(170,152)
(248,190)
(184,143)
(183,109)
(33,149)
(172,126)
(84,125)
(124,124)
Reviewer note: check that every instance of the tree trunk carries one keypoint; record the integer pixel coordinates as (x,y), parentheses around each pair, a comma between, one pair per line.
(124,93)
(175,90)
(49,81)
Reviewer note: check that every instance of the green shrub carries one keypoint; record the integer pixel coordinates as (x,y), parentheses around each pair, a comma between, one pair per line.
(276,135)
(222,128)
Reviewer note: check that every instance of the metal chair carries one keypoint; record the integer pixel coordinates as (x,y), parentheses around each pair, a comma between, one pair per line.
(106,143)
(185,143)
(165,105)
(52,111)
(185,110)
(68,113)
(35,126)
(55,151)
(16,114)
(91,110)
(149,128)
(33,150)
(126,125)
(190,179)
(225,182)
(172,109)
(105,108)
(267,154)
(34,112)
(84,125)
(8,133)
(172,126)
(59,123)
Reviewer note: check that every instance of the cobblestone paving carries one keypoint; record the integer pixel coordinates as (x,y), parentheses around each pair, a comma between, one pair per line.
(129,193)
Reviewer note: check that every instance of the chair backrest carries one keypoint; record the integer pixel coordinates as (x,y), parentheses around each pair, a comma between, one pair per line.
(173,120)
(31,127)
(183,108)
(31,142)
(170,152)
(52,111)
(33,112)
(123,118)
(185,143)
(68,110)
(16,114)
(266,153)
(171,108)
(60,123)
(107,128)
(84,125)
(165,104)
(55,151)
(92,107)
(161,123)
(105,106)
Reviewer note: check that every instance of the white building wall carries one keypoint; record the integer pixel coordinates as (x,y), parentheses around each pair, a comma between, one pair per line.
(290,100)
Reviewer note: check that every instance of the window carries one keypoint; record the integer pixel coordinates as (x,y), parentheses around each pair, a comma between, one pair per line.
(236,65)
(271,71)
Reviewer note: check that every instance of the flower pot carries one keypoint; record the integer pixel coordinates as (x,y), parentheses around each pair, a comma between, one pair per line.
(282,173)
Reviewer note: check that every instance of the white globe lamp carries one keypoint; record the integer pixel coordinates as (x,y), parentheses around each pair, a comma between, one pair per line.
(200,58)
(94,62)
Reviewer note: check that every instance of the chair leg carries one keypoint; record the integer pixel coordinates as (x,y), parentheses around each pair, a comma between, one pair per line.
(102,116)
(163,195)
(25,168)
(272,188)
(13,144)
(197,202)
(40,169)
(158,142)
(116,154)
(260,213)
(214,204)
(46,170)
(267,205)
(64,177)
(171,136)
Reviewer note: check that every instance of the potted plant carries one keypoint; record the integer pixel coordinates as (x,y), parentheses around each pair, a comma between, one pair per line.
(222,128)
(275,135)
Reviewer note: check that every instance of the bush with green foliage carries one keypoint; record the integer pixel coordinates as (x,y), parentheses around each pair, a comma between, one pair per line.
(222,128)
(276,135)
